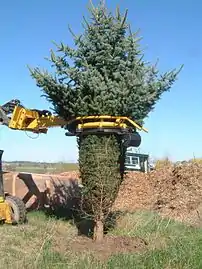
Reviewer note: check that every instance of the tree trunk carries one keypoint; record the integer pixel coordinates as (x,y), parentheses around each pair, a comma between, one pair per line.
(98,234)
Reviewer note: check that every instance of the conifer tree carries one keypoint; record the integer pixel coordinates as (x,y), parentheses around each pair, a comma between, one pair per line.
(105,74)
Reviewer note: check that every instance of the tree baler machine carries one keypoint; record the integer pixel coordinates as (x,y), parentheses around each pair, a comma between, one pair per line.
(17,117)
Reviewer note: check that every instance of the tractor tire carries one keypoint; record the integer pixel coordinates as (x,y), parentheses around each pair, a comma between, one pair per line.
(18,209)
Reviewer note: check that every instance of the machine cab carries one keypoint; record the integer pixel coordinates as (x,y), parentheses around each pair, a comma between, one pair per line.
(136,161)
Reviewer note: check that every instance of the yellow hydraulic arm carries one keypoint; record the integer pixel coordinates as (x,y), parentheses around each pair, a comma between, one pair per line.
(32,120)
(38,121)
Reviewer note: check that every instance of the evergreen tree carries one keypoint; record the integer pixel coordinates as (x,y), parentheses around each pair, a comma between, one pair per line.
(107,76)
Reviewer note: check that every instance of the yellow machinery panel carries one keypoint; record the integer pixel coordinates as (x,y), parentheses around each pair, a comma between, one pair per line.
(5,212)
(106,121)
(31,120)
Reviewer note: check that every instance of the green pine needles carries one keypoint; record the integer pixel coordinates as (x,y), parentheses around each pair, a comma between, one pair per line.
(105,74)
(101,159)
(108,75)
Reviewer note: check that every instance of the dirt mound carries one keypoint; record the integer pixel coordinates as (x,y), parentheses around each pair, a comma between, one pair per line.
(136,192)
(108,247)
(174,190)
(178,191)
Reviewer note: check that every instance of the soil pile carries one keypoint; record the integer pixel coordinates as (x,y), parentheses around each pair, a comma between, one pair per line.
(174,191)
(136,192)
(112,245)
(178,191)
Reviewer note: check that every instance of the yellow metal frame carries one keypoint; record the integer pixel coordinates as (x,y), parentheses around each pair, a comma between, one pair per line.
(106,121)
(5,212)
(31,120)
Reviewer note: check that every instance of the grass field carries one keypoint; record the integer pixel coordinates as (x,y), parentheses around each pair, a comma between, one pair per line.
(41,169)
(44,242)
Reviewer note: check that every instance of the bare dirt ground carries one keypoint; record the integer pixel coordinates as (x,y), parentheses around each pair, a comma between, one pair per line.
(112,245)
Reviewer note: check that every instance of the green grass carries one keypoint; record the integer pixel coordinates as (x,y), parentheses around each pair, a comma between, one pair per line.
(172,244)
(41,244)
(36,170)
(51,168)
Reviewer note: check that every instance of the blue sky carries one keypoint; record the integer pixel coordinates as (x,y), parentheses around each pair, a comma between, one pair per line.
(171,31)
